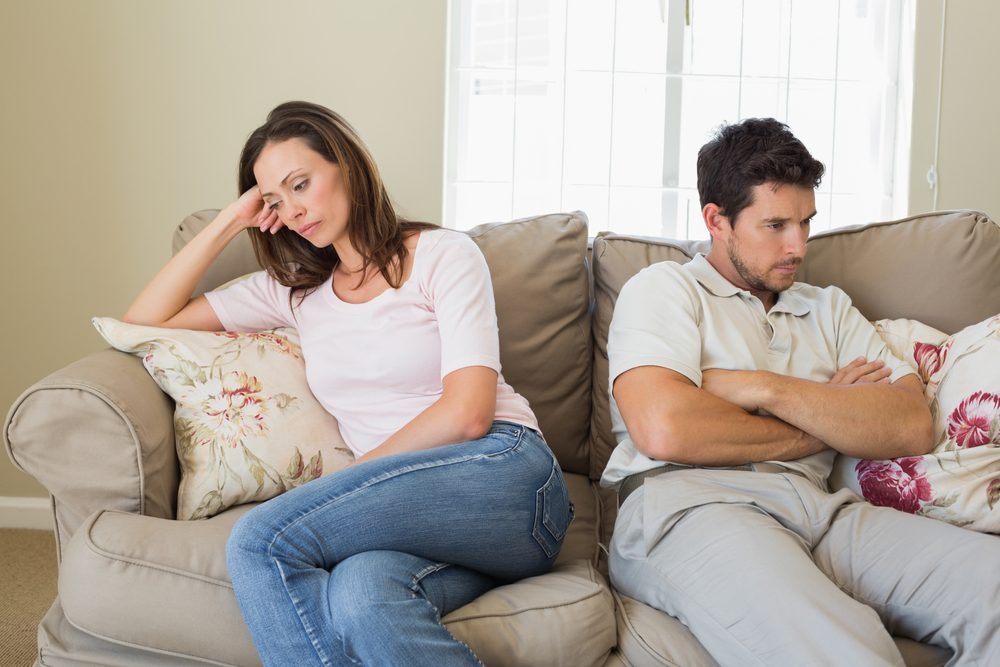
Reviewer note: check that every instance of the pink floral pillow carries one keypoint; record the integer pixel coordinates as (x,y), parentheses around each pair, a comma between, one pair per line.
(959,481)
(246,425)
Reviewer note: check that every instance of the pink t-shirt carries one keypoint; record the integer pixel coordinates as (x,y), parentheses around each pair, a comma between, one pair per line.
(377,365)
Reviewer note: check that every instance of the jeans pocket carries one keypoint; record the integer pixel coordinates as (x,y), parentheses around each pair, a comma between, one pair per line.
(553,513)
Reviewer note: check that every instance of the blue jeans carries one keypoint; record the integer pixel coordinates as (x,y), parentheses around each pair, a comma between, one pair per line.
(358,567)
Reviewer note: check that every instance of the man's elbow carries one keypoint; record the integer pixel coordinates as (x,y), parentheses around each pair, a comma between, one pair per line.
(661,442)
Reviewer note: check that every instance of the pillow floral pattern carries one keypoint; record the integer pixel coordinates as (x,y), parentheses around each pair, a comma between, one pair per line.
(246,425)
(959,481)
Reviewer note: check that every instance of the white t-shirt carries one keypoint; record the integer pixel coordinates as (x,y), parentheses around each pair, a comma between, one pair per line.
(689,318)
(377,365)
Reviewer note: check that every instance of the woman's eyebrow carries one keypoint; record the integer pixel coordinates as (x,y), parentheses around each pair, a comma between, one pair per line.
(283,181)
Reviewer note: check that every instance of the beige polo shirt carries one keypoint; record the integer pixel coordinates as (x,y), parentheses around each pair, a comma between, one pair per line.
(689,318)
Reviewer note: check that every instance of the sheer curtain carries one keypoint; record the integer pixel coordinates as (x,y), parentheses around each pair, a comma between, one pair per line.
(601,105)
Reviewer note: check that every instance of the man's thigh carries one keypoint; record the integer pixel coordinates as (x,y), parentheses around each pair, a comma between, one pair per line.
(746,586)
(927,579)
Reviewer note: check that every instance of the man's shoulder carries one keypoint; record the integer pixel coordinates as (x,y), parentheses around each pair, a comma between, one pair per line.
(662,275)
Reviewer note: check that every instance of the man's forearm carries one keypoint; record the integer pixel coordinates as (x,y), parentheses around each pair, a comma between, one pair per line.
(735,439)
(864,420)
(670,419)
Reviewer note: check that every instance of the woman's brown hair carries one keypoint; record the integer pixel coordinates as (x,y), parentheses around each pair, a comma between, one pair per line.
(373,227)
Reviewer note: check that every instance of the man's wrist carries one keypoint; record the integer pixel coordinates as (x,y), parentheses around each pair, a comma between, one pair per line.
(766,387)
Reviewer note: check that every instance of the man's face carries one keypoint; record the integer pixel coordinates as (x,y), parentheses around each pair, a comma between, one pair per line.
(768,242)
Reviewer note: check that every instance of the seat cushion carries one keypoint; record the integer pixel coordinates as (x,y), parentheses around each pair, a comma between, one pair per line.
(648,637)
(158,584)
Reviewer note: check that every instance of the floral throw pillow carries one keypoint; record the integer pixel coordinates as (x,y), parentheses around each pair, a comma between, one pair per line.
(246,425)
(959,481)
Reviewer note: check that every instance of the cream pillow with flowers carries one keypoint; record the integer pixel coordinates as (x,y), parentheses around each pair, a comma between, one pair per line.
(246,425)
(959,481)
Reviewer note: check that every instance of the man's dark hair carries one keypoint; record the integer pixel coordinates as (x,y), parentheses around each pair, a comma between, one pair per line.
(746,154)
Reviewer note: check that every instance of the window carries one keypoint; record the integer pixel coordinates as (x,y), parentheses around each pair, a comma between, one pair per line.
(601,105)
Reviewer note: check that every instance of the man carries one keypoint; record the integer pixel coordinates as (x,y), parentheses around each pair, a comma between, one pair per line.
(733,389)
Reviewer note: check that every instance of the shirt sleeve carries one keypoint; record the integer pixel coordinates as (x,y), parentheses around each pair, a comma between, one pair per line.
(253,303)
(656,323)
(857,337)
(461,293)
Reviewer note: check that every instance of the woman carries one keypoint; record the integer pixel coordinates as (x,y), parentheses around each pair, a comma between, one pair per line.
(453,490)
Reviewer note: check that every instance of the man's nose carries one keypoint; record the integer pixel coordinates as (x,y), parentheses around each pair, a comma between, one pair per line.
(796,241)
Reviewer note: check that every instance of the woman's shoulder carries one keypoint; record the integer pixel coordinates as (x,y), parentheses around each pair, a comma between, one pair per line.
(444,237)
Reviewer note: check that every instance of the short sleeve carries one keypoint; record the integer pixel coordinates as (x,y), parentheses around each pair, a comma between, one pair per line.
(857,337)
(461,293)
(656,323)
(253,303)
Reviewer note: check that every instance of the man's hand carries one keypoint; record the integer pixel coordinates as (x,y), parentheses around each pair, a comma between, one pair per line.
(862,371)
(741,388)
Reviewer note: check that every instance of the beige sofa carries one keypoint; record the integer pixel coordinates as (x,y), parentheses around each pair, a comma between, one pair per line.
(137,587)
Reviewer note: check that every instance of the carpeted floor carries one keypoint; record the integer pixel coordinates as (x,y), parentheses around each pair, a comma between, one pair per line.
(27,588)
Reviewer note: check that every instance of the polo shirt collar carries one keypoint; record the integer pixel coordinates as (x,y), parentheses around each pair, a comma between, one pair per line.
(790,301)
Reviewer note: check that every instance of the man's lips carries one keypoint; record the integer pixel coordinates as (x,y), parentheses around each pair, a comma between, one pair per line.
(787,268)
(306,230)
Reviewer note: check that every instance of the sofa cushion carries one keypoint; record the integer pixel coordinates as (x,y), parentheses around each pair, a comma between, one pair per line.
(137,580)
(563,618)
(246,425)
(959,481)
(937,268)
(649,638)
(545,347)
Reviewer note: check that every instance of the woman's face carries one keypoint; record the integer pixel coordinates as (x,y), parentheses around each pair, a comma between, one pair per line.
(305,190)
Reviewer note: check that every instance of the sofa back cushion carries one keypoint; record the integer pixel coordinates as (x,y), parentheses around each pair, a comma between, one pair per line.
(939,268)
(541,284)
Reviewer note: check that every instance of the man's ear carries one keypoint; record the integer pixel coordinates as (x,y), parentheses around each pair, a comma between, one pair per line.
(717,223)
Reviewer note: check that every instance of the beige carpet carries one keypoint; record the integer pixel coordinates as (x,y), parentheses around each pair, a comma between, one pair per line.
(27,588)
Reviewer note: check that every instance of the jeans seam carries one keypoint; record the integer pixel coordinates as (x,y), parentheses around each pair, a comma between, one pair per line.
(415,587)
(309,630)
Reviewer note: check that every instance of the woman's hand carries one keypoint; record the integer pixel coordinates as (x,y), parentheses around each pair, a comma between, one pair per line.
(250,210)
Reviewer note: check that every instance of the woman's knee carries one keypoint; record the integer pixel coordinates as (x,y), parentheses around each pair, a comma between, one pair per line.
(363,584)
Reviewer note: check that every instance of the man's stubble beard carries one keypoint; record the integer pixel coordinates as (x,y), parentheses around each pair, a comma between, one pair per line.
(753,280)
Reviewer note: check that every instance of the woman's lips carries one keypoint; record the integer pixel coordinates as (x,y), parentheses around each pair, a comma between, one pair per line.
(308,229)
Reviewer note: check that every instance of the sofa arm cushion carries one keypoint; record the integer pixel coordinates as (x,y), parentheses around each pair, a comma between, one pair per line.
(98,434)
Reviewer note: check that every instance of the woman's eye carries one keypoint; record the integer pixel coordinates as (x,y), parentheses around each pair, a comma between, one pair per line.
(273,206)
(298,187)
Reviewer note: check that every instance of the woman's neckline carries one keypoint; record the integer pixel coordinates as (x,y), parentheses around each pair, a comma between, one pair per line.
(336,300)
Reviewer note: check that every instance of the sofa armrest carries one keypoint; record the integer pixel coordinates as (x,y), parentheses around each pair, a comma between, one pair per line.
(98,434)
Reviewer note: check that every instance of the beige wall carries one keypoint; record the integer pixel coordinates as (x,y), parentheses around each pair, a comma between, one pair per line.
(119,117)
(969,139)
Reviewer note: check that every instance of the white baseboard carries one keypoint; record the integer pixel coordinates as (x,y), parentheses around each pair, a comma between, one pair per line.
(22,512)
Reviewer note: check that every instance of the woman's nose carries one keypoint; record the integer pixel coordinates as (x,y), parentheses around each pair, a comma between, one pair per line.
(295,211)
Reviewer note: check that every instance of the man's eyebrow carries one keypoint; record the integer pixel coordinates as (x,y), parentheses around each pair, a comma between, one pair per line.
(283,181)
(776,219)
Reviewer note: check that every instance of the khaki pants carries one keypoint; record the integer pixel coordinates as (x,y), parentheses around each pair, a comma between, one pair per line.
(767,569)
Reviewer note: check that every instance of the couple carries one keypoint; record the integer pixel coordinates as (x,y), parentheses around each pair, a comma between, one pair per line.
(342,570)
